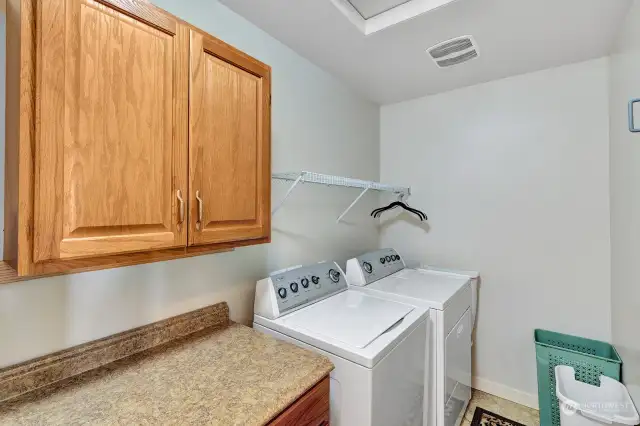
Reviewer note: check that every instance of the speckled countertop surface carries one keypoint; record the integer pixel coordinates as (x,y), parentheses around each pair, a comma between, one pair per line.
(228,376)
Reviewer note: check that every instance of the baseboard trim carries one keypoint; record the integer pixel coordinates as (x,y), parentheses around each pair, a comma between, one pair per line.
(505,392)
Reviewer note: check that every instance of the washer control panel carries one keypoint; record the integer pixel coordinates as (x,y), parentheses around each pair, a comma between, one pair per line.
(288,290)
(372,266)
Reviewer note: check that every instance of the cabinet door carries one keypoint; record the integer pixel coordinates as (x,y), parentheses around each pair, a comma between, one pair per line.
(311,409)
(111,130)
(229,144)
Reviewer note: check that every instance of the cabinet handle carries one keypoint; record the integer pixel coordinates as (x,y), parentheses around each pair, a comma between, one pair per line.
(200,206)
(179,195)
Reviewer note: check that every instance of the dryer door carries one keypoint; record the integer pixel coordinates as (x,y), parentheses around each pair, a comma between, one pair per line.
(458,369)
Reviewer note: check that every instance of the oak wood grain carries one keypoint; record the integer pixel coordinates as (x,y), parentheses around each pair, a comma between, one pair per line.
(181,128)
(142,10)
(228,146)
(118,260)
(61,267)
(52,34)
(49,137)
(47,269)
(12,130)
(105,142)
(222,50)
(311,409)
(19,132)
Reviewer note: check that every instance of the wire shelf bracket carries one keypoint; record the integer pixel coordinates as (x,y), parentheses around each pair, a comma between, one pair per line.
(330,180)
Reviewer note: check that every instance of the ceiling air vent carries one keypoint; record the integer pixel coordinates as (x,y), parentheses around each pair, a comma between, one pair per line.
(453,52)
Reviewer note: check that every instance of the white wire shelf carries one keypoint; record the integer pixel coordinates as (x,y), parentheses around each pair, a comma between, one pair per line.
(330,180)
(319,178)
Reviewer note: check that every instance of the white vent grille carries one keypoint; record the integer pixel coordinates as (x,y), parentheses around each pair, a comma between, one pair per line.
(453,52)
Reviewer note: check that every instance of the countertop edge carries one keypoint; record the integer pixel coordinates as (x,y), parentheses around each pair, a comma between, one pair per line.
(323,372)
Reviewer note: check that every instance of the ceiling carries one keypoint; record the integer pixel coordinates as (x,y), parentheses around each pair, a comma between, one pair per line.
(391,65)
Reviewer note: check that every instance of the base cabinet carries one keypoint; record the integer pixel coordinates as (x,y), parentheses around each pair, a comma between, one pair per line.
(311,409)
(129,133)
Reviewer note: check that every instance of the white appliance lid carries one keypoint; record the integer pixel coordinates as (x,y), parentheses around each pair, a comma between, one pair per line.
(436,288)
(353,318)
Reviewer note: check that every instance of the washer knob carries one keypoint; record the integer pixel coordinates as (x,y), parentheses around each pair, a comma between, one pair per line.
(315,279)
(382,260)
(282,292)
(334,275)
(294,287)
(387,258)
(367,267)
(305,282)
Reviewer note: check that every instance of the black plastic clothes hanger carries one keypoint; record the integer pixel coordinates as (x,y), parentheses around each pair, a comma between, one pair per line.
(378,212)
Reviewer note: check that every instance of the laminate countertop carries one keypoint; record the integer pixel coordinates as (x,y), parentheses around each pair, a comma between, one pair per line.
(225,376)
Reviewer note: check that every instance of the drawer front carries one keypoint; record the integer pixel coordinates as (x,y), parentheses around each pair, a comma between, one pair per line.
(311,409)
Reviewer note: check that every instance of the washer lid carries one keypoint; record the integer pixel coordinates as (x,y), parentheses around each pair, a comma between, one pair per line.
(426,288)
(353,318)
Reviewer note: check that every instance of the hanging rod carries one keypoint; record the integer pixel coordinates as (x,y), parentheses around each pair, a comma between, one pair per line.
(330,180)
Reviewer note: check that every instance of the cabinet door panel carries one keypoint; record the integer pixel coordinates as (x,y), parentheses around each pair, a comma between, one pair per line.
(229,144)
(111,136)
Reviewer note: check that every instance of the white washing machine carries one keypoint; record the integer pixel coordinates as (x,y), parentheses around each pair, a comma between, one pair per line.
(376,345)
(383,273)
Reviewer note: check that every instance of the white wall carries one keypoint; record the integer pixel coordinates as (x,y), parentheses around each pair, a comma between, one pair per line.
(513,175)
(318,125)
(625,201)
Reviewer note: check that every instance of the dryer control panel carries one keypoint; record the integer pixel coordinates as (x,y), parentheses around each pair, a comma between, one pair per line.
(288,290)
(372,266)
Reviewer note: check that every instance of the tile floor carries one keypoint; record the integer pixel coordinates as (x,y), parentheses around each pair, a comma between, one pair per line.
(516,412)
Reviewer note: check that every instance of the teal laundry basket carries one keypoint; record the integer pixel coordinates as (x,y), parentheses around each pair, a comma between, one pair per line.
(589,358)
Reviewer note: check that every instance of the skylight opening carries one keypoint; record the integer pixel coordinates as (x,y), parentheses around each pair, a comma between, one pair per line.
(371,16)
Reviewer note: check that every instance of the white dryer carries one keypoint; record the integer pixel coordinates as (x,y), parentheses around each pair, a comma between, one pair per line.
(376,345)
(383,273)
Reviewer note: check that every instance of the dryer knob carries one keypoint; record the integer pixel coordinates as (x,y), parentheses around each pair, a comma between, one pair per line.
(282,292)
(367,267)
(334,275)
(304,282)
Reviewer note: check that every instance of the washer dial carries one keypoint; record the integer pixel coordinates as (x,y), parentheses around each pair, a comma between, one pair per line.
(282,292)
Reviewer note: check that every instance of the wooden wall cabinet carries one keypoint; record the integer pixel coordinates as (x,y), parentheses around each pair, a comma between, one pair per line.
(131,136)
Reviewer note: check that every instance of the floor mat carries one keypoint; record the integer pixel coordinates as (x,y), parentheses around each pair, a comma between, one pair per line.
(487,418)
